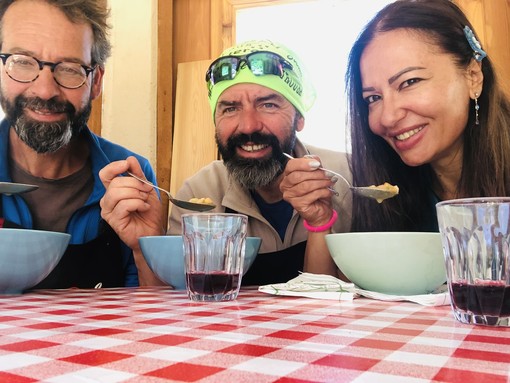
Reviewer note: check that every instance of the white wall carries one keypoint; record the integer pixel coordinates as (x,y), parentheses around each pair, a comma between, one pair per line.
(129,92)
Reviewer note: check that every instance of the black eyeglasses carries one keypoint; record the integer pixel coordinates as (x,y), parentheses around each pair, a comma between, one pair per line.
(260,63)
(23,68)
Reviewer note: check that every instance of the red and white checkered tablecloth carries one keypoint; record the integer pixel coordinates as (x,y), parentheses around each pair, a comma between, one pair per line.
(156,335)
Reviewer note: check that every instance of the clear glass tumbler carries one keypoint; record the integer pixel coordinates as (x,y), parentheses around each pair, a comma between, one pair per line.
(476,242)
(213,255)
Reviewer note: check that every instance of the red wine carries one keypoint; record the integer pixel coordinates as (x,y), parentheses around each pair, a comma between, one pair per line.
(213,283)
(491,299)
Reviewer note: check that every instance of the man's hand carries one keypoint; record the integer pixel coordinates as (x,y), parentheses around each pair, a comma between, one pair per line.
(130,207)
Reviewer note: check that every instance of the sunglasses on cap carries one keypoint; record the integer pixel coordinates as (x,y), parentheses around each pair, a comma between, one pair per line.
(260,63)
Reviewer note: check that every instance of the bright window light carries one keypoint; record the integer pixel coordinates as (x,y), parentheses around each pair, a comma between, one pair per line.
(321,32)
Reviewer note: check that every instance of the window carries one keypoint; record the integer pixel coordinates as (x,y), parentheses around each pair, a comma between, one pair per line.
(321,32)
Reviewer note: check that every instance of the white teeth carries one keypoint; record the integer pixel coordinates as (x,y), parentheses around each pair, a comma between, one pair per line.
(253,148)
(406,135)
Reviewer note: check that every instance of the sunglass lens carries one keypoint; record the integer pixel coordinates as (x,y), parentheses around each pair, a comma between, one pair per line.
(223,69)
(262,63)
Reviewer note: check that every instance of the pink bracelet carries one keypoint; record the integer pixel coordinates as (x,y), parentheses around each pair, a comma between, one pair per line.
(327,226)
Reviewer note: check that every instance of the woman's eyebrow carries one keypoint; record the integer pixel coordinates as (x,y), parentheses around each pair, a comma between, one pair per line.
(392,79)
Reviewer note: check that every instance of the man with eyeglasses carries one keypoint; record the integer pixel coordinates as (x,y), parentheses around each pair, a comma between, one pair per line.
(52,57)
(259,96)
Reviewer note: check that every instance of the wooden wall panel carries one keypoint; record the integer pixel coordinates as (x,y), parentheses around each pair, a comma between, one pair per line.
(194,144)
(164,97)
(94,122)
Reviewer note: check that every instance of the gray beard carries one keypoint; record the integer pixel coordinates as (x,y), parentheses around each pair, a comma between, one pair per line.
(255,175)
(43,137)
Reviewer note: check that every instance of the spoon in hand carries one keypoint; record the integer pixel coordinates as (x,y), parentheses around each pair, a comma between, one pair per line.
(177,202)
(379,193)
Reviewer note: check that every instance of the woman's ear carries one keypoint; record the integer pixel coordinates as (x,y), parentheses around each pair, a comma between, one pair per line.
(475,78)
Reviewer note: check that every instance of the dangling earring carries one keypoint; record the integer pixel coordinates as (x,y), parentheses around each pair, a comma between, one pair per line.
(477,108)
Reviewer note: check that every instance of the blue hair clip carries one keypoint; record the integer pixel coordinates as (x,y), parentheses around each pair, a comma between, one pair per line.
(478,53)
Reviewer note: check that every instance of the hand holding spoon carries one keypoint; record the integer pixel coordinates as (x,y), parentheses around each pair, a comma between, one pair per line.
(177,202)
(379,193)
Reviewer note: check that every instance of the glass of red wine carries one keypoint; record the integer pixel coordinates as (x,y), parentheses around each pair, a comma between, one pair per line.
(476,243)
(213,255)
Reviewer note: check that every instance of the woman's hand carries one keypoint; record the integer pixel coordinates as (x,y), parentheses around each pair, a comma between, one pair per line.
(308,189)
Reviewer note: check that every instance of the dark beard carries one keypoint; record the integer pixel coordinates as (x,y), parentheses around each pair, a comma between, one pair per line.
(44,137)
(256,173)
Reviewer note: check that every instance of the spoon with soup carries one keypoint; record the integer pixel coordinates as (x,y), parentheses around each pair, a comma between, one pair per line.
(379,192)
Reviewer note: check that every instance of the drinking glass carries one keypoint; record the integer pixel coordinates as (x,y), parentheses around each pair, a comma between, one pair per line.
(214,255)
(475,234)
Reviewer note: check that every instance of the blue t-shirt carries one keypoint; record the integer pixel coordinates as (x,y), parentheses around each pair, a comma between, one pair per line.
(277,214)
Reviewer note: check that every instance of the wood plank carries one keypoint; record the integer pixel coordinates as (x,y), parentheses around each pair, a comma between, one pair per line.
(94,122)
(193,145)
(164,99)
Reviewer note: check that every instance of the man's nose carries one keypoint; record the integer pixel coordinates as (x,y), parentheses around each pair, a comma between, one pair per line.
(45,86)
(249,121)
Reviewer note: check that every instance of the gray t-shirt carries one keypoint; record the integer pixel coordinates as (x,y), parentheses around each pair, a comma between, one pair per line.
(53,204)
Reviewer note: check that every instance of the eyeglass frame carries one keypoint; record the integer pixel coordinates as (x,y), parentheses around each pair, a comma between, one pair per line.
(88,69)
(244,58)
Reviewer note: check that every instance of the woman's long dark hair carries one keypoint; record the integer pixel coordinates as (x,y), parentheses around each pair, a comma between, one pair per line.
(486,156)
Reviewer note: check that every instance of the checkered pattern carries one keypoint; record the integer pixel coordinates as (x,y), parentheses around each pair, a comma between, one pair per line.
(157,335)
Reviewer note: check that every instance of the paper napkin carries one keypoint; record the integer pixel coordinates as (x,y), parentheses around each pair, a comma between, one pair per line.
(328,287)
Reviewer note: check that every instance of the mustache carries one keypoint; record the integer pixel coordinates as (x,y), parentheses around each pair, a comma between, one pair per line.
(256,138)
(52,105)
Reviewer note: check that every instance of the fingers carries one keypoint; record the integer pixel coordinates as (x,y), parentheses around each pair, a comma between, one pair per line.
(302,176)
(305,164)
(116,168)
(134,167)
(112,170)
(125,195)
(308,189)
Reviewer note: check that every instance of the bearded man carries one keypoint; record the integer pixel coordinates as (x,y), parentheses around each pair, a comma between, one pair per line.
(52,65)
(258,97)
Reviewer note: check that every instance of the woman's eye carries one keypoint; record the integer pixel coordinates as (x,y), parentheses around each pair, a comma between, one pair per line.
(372,98)
(409,82)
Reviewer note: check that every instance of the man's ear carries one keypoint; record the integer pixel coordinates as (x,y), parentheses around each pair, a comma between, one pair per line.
(475,78)
(300,122)
(97,82)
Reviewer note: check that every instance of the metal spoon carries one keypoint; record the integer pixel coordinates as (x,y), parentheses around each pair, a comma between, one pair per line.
(9,188)
(374,192)
(177,202)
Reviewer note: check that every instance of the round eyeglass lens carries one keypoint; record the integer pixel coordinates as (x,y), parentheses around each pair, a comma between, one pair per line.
(71,75)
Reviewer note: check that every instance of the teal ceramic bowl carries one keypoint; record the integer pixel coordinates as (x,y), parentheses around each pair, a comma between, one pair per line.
(165,256)
(399,263)
(28,256)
